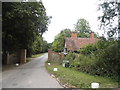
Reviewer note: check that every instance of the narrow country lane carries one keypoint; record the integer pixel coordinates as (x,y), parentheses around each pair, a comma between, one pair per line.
(30,75)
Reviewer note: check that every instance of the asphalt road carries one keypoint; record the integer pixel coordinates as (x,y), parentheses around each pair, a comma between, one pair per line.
(30,75)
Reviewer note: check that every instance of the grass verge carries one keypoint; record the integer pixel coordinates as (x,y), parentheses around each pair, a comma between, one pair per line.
(37,55)
(76,79)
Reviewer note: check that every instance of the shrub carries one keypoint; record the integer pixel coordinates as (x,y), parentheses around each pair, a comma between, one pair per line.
(100,59)
(88,49)
(70,56)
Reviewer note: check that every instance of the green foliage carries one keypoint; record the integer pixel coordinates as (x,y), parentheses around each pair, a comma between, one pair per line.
(109,58)
(22,22)
(82,25)
(59,42)
(70,56)
(49,45)
(71,77)
(39,45)
(100,59)
(88,49)
(83,28)
(83,35)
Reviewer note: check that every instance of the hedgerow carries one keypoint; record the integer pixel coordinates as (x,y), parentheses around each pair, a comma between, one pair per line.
(102,59)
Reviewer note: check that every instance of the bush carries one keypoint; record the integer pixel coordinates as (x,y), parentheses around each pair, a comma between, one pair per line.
(70,56)
(101,59)
(88,49)
(109,59)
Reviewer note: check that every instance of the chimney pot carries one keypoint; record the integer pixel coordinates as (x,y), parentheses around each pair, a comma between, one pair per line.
(92,35)
(74,34)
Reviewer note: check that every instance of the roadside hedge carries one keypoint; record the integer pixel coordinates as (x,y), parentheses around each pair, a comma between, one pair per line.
(102,59)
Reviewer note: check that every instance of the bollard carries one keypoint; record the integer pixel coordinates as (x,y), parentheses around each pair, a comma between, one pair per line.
(48,63)
(55,69)
(94,85)
(17,64)
(63,64)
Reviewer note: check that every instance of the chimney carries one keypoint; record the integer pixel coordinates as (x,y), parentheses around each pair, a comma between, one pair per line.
(92,35)
(74,34)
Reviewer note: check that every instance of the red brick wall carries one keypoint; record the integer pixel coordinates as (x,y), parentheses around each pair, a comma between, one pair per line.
(54,56)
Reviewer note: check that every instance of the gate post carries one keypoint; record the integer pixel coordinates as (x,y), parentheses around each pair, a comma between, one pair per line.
(23,56)
(49,55)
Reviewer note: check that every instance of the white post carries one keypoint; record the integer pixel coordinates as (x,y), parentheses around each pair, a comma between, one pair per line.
(55,69)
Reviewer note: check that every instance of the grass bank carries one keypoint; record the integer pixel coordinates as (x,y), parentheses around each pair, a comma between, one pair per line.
(76,79)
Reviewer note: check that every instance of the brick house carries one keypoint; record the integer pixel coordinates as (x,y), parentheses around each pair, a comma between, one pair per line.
(74,43)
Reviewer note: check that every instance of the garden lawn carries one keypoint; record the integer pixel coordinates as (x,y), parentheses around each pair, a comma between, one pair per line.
(70,78)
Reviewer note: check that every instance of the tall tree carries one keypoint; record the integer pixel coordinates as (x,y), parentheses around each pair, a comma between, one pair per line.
(83,27)
(58,44)
(22,21)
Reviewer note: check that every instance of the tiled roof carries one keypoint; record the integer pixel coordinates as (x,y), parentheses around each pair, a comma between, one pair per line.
(74,43)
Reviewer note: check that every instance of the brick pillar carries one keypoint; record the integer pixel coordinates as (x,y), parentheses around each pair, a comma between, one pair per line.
(74,34)
(49,54)
(23,56)
(92,35)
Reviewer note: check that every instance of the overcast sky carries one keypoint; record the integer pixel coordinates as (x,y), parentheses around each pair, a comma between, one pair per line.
(65,14)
